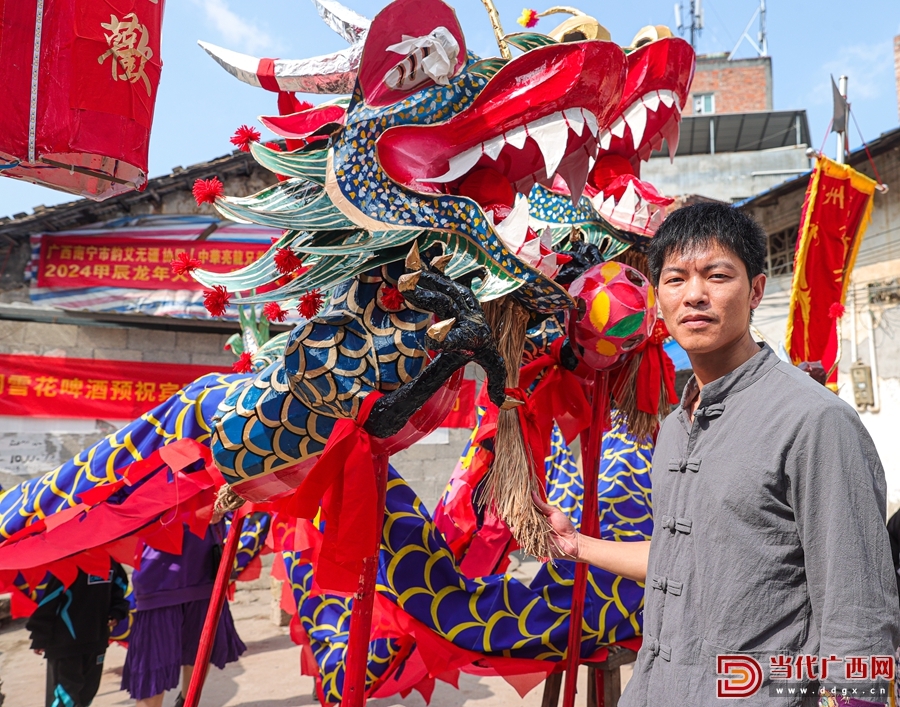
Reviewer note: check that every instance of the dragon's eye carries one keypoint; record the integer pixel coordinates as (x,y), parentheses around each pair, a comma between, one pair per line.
(432,58)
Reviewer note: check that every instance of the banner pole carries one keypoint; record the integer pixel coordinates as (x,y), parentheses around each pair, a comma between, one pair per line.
(592,446)
(357,656)
(213,614)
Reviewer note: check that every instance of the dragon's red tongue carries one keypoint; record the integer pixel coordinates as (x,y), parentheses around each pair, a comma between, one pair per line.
(490,189)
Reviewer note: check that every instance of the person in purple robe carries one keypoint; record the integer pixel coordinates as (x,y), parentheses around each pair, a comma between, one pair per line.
(172,595)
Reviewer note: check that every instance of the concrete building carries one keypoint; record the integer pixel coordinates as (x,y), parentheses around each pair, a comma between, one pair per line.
(869,327)
(30,446)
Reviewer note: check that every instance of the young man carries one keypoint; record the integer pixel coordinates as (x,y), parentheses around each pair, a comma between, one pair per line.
(70,628)
(769,498)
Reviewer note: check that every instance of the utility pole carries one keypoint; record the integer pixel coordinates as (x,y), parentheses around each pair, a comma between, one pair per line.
(696,24)
(840,155)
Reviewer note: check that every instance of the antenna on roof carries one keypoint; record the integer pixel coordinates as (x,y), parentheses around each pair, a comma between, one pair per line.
(761,44)
(696,16)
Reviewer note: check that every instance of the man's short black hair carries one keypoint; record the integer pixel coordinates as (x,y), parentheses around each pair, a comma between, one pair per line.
(697,226)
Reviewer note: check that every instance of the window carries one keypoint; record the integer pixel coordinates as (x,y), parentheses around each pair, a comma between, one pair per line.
(704,103)
(780,256)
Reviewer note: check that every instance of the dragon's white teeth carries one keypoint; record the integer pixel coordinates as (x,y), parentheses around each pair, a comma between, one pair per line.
(591,121)
(575,170)
(651,100)
(516,137)
(460,164)
(667,98)
(656,220)
(671,131)
(494,146)
(636,118)
(618,127)
(641,216)
(575,119)
(605,139)
(607,207)
(551,135)
(624,210)
(530,251)
(514,228)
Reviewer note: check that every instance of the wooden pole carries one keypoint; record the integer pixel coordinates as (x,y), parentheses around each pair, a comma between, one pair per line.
(214,613)
(357,658)
(592,447)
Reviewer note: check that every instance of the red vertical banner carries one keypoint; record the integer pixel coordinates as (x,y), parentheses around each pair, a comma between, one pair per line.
(835,214)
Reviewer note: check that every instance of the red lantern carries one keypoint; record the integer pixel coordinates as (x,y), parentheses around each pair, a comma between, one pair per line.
(616,314)
(79,85)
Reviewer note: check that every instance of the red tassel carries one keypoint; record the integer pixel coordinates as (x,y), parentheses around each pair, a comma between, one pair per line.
(836,310)
(392,298)
(184,264)
(310,304)
(287,261)
(244,364)
(216,300)
(243,136)
(274,312)
(206,190)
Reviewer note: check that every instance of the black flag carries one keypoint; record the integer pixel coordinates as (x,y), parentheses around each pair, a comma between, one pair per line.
(839,120)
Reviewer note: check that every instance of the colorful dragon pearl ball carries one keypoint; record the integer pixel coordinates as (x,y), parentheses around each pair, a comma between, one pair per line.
(616,314)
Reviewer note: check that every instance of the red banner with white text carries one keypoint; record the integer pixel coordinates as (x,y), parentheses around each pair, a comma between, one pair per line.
(138,263)
(44,386)
(835,214)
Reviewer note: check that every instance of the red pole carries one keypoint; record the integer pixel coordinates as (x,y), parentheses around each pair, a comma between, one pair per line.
(591,446)
(216,603)
(357,656)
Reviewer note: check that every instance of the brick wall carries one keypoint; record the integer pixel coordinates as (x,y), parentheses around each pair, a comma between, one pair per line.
(739,86)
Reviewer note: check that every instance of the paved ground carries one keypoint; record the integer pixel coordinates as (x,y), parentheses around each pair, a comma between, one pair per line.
(268,674)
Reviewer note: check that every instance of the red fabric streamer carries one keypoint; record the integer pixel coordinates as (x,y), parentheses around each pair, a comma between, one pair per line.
(559,395)
(655,371)
(343,480)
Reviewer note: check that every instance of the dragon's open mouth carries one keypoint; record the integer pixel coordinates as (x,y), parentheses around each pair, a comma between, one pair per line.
(538,117)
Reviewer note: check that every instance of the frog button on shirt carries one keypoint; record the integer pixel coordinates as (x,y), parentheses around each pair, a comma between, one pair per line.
(770,536)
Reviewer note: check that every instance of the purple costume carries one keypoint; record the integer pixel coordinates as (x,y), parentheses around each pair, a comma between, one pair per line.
(172,595)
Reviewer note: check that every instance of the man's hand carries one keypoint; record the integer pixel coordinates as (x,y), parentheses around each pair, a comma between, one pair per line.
(816,371)
(565,537)
(39,651)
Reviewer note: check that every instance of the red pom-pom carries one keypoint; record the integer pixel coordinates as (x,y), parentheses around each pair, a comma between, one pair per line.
(287,261)
(392,298)
(244,364)
(528,19)
(310,304)
(184,264)
(243,136)
(274,312)
(836,310)
(206,190)
(274,146)
(216,300)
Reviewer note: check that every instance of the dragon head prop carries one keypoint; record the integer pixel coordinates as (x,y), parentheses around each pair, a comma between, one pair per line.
(434,146)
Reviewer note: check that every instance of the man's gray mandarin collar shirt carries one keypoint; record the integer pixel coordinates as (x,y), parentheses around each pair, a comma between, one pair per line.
(769,537)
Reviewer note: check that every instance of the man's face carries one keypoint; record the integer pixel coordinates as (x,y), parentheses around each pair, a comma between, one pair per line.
(706,298)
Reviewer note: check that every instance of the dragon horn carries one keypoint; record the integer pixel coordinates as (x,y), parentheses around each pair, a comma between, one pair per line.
(303,75)
(347,23)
